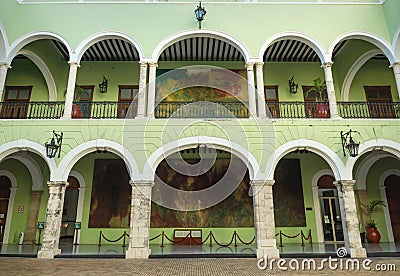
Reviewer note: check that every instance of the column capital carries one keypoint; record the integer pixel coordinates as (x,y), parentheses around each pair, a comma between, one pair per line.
(74,64)
(153,64)
(143,63)
(260,64)
(57,183)
(345,185)
(141,183)
(250,65)
(395,64)
(5,65)
(260,183)
(327,64)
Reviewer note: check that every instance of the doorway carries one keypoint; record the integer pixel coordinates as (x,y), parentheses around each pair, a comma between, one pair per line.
(5,190)
(330,210)
(392,184)
(69,211)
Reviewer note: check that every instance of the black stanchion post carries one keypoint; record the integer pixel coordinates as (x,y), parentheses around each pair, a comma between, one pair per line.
(123,243)
(280,238)
(100,238)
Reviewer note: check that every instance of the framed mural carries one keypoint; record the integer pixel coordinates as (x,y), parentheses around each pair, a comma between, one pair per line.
(288,194)
(111,195)
(235,211)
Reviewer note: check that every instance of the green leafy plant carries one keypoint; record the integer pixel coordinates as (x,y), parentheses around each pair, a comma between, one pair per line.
(374,206)
(319,87)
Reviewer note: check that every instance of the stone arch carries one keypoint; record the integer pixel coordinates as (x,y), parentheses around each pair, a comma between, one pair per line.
(333,160)
(10,203)
(396,44)
(201,33)
(3,43)
(185,143)
(83,149)
(376,144)
(379,42)
(89,41)
(23,145)
(306,39)
(33,36)
(48,76)
(363,169)
(386,212)
(353,71)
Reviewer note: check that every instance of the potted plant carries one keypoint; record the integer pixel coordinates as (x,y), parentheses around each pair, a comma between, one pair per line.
(372,234)
(319,91)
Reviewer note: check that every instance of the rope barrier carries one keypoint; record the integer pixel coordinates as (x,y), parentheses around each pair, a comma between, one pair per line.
(124,235)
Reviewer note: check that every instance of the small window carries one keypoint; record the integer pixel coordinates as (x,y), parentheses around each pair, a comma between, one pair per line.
(128,92)
(18,93)
(271,93)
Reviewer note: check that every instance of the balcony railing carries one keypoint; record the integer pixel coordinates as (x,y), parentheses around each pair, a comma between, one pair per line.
(115,110)
(201,110)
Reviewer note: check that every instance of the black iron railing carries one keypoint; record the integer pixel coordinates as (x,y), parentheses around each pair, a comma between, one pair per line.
(369,110)
(115,110)
(201,110)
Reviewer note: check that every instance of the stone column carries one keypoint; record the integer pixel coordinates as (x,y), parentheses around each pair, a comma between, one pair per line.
(140,220)
(51,234)
(264,220)
(260,90)
(151,98)
(141,109)
(3,73)
(396,70)
(69,96)
(251,89)
(346,188)
(33,213)
(330,90)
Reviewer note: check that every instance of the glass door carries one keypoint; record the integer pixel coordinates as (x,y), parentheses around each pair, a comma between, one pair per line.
(331,218)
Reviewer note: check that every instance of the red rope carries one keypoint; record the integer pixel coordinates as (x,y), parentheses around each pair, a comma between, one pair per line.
(154,237)
(245,243)
(223,245)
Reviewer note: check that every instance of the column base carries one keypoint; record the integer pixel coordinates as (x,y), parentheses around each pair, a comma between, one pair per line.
(358,253)
(336,117)
(48,254)
(137,253)
(264,252)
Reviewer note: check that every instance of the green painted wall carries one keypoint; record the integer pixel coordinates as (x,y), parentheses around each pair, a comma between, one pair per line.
(392,8)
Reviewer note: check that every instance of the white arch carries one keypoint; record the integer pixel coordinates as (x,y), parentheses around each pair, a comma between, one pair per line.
(41,65)
(353,71)
(11,201)
(363,169)
(89,41)
(81,199)
(185,143)
(306,39)
(333,160)
(396,44)
(83,149)
(317,207)
(371,145)
(3,43)
(382,189)
(23,145)
(33,36)
(379,42)
(165,43)
(33,168)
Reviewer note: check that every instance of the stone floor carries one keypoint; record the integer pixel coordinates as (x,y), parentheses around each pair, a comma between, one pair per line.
(213,266)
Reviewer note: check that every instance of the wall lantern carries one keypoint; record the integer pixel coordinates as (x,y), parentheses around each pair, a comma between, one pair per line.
(293,86)
(349,143)
(54,146)
(200,12)
(103,85)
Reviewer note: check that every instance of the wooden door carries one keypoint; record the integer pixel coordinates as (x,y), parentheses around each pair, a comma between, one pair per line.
(272,100)
(380,103)
(5,185)
(392,184)
(127,98)
(16,101)
(84,100)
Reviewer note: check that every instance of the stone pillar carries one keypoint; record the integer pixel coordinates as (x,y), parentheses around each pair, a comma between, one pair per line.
(264,220)
(151,98)
(51,234)
(31,226)
(251,89)
(342,209)
(69,96)
(141,109)
(140,220)
(396,70)
(362,198)
(330,90)
(3,73)
(346,188)
(260,90)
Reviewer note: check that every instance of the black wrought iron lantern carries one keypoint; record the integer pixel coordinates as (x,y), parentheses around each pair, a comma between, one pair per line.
(293,86)
(103,85)
(349,143)
(200,12)
(54,146)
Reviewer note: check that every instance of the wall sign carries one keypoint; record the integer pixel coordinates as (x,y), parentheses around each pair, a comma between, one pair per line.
(40,225)
(20,209)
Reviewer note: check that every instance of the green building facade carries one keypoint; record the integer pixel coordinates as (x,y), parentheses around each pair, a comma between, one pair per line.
(136,88)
